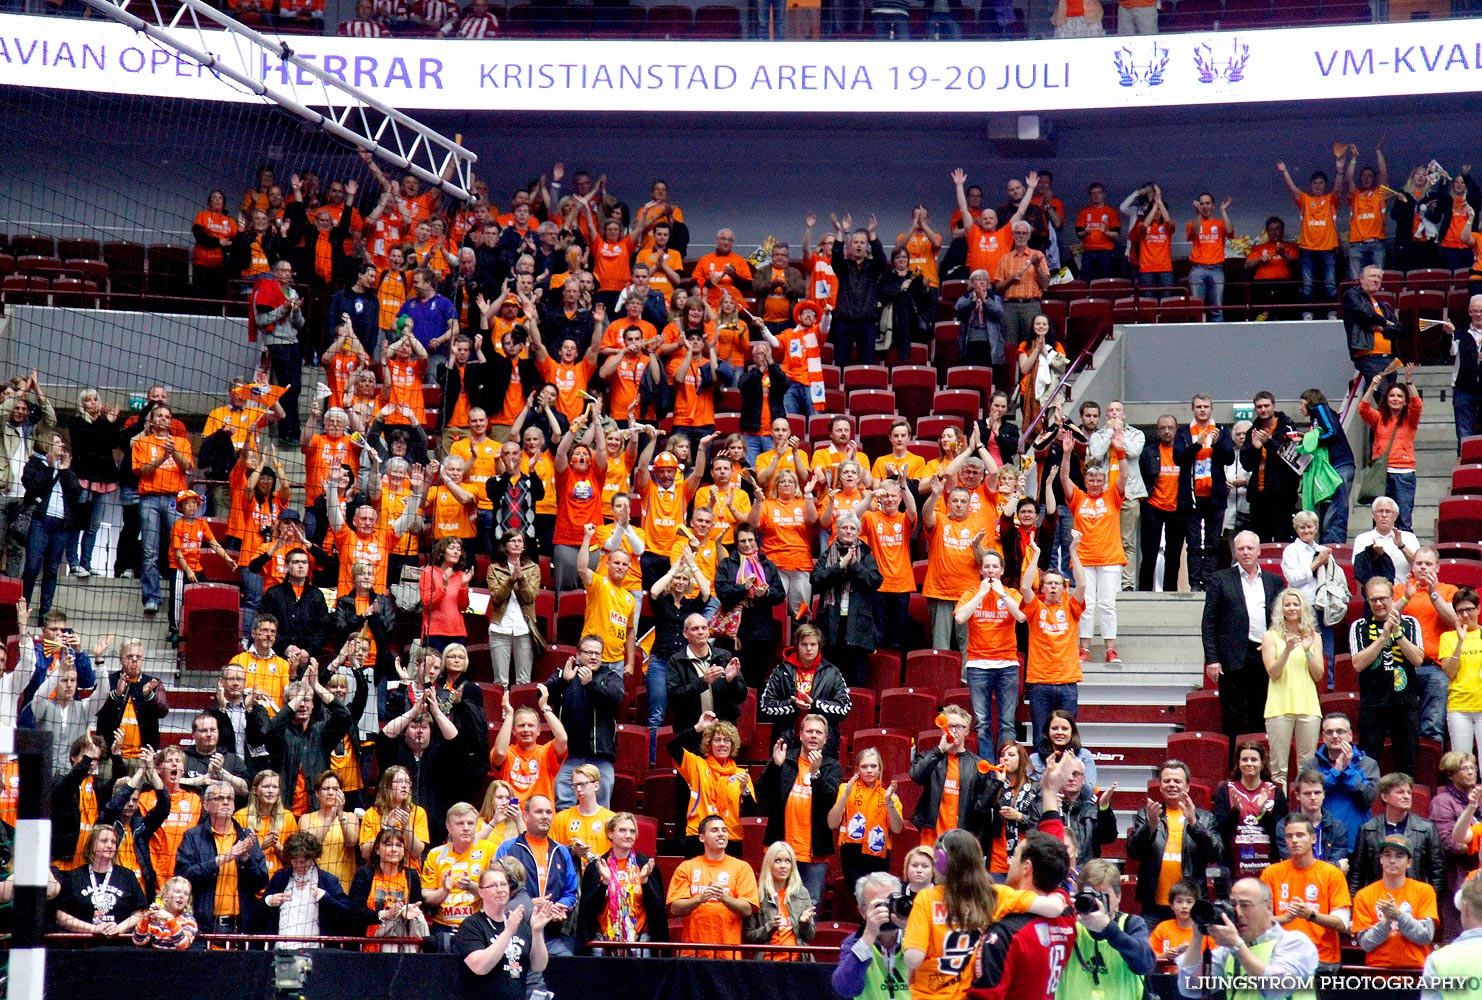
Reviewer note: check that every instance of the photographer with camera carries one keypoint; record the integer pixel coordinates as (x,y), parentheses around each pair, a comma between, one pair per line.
(1249,943)
(872,965)
(1111,954)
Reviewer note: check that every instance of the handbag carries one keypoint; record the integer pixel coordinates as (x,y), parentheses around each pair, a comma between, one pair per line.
(1375,477)
(726,624)
(20,527)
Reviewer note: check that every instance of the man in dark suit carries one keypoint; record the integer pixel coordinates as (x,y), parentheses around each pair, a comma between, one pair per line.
(1372,325)
(1237,610)
(1202,449)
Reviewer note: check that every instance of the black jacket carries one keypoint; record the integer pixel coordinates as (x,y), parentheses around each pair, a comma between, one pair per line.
(1226,626)
(453,385)
(362,916)
(1362,316)
(757,624)
(93,443)
(38,478)
(1281,480)
(594,900)
(1185,453)
(1427,864)
(380,619)
(1332,834)
(912,316)
(776,786)
(497,372)
(1439,206)
(1468,370)
(929,770)
(750,384)
(149,709)
(597,737)
(686,686)
(556,326)
(303,619)
(1145,844)
(1092,826)
(859,282)
(863,579)
(306,751)
(257,721)
(830,699)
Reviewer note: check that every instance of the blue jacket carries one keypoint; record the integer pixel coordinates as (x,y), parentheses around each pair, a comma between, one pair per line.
(334,908)
(196,861)
(87,679)
(560,881)
(1350,792)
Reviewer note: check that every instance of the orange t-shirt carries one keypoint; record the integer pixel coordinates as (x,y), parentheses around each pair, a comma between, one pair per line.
(326,453)
(610,263)
(951,567)
(694,406)
(951,796)
(715,264)
(658,279)
(712,922)
(798,346)
(1273,260)
(612,336)
(570,382)
(1054,635)
(1208,237)
(1099,520)
(1415,898)
(733,343)
(352,548)
(531,772)
(922,254)
(579,503)
(1098,221)
(1163,493)
(786,539)
(185,812)
(990,631)
(1319,227)
(404,387)
(1154,247)
(188,536)
(1423,610)
(1366,218)
(1458,225)
(889,539)
(1169,934)
(480,464)
(986,248)
(1323,887)
(797,814)
(223,227)
(450,517)
(663,513)
(168,478)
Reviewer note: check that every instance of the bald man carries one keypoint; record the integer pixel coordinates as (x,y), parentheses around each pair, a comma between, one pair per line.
(1253,944)
(703,677)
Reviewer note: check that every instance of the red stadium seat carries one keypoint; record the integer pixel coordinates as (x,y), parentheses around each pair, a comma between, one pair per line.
(865,377)
(1202,711)
(32,245)
(861,712)
(1206,753)
(1459,519)
(874,432)
(570,617)
(944,346)
(1466,479)
(1112,287)
(868,401)
(74,293)
(931,427)
(911,709)
(669,21)
(648,833)
(717,23)
(883,670)
(661,800)
(1461,572)
(1345,678)
(914,386)
(25,289)
(833,378)
(933,669)
(210,626)
(966,403)
(1471,449)
(894,747)
(632,749)
(85,249)
(1181,309)
(1086,322)
(975,377)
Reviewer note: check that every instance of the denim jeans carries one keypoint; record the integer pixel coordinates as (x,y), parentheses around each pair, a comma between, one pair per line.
(1001,683)
(889,27)
(1400,487)
(1433,689)
(1098,264)
(80,544)
(758,443)
(1366,253)
(288,370)
(251,599)
(943,26)
(1207,281)
(773,11)
(1158,281)
(156,518)
(1464,413)
(815,878)
(1044,699)
(1060,547)
(1319,264)
(566,795)
(45,547)
(796,401)
(1335,509)
(657,679)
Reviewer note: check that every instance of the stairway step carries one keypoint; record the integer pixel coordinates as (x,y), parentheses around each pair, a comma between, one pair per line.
(1122,754)
(1128,712)
(1124,735)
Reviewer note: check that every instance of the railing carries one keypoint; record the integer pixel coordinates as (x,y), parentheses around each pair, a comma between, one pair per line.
(829,952)
(248,942)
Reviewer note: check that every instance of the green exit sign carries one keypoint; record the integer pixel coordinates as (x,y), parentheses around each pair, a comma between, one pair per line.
(1245,411)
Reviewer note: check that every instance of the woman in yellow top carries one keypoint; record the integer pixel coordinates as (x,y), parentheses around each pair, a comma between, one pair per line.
(706,758)
(500,818)
(1460,654)
(265,816)
(336,828)
(1292,652)
(395,810)
(786,915)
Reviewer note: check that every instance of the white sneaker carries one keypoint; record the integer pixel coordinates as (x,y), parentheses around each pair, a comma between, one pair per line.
(1307,315)
(82,572)
(1332,314)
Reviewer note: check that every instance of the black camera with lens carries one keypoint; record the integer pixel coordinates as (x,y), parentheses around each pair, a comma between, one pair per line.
(1208,912)
(1088,900)
(900,903)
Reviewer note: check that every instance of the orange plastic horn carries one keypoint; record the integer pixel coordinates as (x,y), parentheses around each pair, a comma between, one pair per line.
(941,720)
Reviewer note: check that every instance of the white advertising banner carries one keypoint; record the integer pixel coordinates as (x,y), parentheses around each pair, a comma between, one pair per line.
(1356,61)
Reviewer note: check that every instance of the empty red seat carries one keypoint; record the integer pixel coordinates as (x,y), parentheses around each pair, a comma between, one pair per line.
(1460,572)
(717,22)
(874,432)
(632,749)
(866,401)
(832,377)
(909,708)
(1429,277)
(933,669)
(861,710)
(75,293)
(1459,519)
(86,249)
(32,245)
(1466,479)
(210,626)
(975,377)
(931,427)
(24,289)
(1471,450)
(669,21)
(1206,753)
(865,377)
(966,403)
(914,386)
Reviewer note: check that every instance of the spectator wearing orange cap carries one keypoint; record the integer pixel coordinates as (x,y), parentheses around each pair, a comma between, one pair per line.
(802,360)
(188,536)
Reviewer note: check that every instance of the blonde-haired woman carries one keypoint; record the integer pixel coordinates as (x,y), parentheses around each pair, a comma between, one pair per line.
(265,816)
(786,916)
(1291,649)
(500,817)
